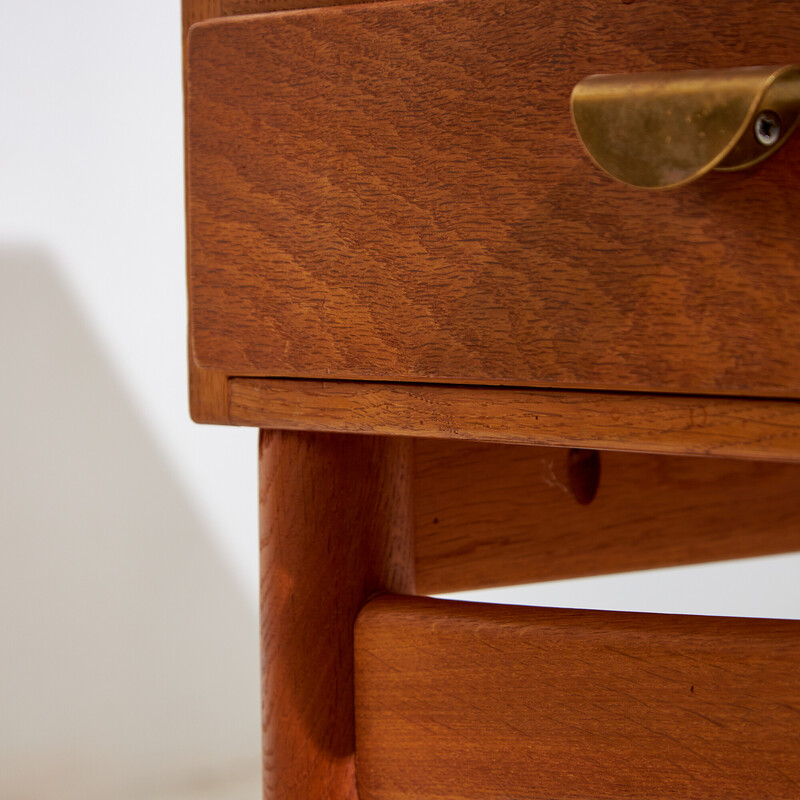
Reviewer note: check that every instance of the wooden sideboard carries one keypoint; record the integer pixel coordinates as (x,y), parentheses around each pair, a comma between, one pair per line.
(477,360)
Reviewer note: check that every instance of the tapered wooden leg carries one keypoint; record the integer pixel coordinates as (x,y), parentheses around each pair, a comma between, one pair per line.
(336,529)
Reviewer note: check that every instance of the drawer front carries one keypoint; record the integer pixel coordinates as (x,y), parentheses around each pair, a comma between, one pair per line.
(395,192)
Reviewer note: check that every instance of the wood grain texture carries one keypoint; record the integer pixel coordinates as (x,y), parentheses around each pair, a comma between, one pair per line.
(762,429)
(208,388)
(335,530)
(493,515)
(394,191)
(477,702)
(193,11)
(208,395)
(200,10)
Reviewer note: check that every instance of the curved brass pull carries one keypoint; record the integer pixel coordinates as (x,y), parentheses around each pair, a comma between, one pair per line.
(661,129)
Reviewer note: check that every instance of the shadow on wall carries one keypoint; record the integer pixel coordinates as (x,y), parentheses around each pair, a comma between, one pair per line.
(128,655)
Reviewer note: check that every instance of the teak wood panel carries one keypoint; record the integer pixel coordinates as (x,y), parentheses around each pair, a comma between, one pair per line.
(476,702)
(208,388)
(336,529)
(199,10)
(762,429)
(489,515)
(394,191)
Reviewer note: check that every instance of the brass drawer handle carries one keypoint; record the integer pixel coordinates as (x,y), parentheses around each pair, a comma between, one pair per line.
(661,129)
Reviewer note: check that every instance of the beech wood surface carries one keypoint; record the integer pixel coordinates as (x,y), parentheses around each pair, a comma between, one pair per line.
(469,701)
(394,191)
(336,528)
(761,429)
(493,515)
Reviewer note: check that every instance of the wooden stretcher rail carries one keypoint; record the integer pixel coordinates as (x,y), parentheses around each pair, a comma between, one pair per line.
(462,700)
(492,515)
(679,425)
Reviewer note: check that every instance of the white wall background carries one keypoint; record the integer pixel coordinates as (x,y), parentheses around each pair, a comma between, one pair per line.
(128,622)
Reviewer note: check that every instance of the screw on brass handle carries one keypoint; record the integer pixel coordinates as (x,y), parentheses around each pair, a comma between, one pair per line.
(663,129)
